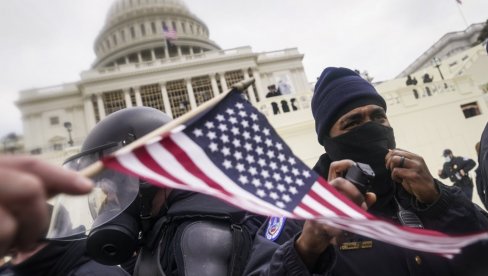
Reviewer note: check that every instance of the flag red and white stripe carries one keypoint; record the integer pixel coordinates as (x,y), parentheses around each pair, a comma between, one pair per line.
(169,33)
(232,153)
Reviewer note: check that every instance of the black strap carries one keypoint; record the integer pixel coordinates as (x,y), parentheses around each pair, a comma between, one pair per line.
(241,249)
(148,260)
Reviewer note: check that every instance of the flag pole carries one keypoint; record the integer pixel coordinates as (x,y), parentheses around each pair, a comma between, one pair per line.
(97,167)
(458,4)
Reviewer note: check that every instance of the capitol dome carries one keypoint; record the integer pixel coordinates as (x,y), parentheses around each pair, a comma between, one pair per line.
(136,31)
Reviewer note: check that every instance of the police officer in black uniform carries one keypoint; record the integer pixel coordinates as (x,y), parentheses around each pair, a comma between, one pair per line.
(352,126)
(173,232)
(457,169)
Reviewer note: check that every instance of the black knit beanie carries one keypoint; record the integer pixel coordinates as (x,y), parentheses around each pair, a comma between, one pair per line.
(338,91)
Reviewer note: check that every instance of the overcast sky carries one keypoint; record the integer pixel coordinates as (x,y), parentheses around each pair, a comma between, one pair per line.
(49,42)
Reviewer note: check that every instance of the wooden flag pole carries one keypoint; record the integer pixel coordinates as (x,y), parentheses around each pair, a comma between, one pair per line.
(97,167)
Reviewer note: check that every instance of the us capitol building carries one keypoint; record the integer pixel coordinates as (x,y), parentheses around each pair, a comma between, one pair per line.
(157,53)
(137,64)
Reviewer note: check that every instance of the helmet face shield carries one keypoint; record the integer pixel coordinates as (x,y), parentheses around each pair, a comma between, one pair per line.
(74,216)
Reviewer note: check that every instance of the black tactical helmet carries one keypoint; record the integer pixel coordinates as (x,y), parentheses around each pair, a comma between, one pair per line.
(126,125)
(118,201)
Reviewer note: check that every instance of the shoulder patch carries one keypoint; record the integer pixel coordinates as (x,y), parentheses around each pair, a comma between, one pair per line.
(275,226)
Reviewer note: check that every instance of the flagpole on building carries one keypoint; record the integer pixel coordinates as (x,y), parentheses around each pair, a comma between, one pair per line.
(458,4)
(98,166)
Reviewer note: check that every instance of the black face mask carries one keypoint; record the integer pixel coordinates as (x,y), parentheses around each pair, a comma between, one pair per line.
(369,144)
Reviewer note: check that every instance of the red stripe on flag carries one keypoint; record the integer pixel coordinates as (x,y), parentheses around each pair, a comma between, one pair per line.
(189,165)
(113,163)
(309,210)
(326,204)
(343,198)
(143,154)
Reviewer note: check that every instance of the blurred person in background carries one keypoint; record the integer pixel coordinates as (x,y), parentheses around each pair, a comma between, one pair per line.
(457,169)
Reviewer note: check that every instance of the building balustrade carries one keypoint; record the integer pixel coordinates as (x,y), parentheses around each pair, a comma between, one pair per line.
(418,92)
(145,64)
(285,104)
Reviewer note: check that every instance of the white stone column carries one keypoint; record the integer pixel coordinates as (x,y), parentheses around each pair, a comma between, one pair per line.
(215,87)
(250,92)
(259,84)
(179,51)
(101,106)
(153,55)
(178,27)
(166,51)
(191,51)
(139,57)
(127,60)
(223,83)
(89,112)
(191,95)
(128,101)
(166,102)
(269,79)
(137,91)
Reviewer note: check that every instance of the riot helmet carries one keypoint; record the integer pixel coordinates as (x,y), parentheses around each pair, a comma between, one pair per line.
(112,215)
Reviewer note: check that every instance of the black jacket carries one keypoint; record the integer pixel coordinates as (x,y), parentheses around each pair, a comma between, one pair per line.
(453,213)
(62,259)
(482,171)
(266,258)
(452,170)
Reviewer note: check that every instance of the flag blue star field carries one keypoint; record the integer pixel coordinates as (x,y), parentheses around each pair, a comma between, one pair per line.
(169,34)
(231,152)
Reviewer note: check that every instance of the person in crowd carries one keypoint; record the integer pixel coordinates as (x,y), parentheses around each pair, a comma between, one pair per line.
(457,170)
(409,81)
(174,232)
(25,185)
(351,123)
(283,87)
(272,91)
(427,78)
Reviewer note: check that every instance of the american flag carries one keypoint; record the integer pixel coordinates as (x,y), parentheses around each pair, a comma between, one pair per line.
(231,152)
(169,34)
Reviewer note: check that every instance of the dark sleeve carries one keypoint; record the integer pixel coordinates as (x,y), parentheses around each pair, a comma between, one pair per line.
(483,165)
(467,164)
(443,174)
(452,213)
(290,229)
(93,268)
(269,259)
(480,188)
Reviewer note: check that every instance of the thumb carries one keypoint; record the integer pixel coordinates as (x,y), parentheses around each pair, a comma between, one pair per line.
(370,199)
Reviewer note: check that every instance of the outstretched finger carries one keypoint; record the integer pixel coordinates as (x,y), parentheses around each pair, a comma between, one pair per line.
(54,179)
(7,231)
(23,197)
